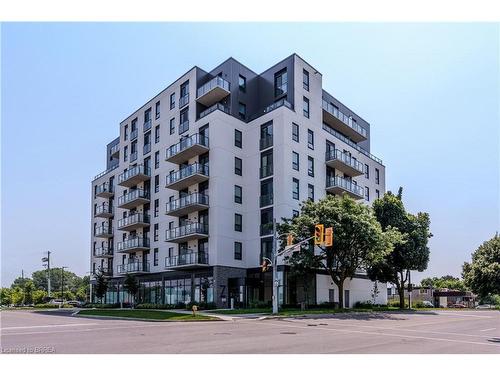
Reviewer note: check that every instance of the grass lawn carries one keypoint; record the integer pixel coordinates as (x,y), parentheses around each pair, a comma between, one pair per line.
(145,314)
(291,311)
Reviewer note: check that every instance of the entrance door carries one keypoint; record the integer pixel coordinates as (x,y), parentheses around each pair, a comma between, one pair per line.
(331,295)
(346,299)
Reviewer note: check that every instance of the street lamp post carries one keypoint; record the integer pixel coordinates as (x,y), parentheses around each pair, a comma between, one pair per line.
(62,283)
(47,260)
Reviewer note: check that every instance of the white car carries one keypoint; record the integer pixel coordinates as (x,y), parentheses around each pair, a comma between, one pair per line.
(427,304)
(486,306)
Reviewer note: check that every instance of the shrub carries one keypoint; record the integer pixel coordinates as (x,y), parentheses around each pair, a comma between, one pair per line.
(363,305)
(259,304)
(50,306)
(157,306)
(393,303)
(201,305)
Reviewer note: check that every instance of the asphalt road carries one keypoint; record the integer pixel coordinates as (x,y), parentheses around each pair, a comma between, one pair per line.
(461,331)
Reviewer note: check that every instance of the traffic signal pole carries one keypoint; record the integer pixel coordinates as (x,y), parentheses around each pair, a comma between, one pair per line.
(275,269)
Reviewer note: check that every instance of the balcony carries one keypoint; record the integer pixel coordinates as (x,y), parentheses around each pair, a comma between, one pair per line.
(112,168)
(266,200)
(133,267)
(187,232)
(185,205)
(183,100)
(133,156)
(338,185)
(115,151)
(187,261)
(266,171)
(272,107)
(105,271)
(147,125)
(104,231)
(133,199)
(104,210)
(213,91)
(266,142)
(133,244)
(133,134)
(343,123)
(103,252)
(146,148)
(187,176)
(343,162)
(187,148)
(133,222)
(184,127)
(266,229)
(213,108)
(104,190)
(134,175)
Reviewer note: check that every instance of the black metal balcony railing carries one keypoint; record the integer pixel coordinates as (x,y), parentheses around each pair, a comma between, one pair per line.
(106,171)
(134,171)
(133,267)
(266,142)
(133,134)
(186,259)
(213,83)
(188,200)
(104,230)
(133,156)
(328,107)
(114,149)
(272,107)
(103,251)
(105,271)
(147,125)
(184,127)
(146,148)
(192,169)
(213,108)
(266,229)
(186,230)
(345,185)
(344,158)
(133,195)
(136,218)
(104,208)
(185,143)
(104,188)
(266,171)
(183,100)
(133,243)
(266,200)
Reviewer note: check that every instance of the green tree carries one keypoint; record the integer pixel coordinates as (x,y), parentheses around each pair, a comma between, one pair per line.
(101,286)
(131,285)
(444,282)
(72,282)
(5,296)
(482,275)
(28,290)
(20,282)
(358,238)
(412,253)
(39,296)
(17,296)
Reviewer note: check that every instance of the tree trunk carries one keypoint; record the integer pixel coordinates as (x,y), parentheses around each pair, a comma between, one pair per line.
(340,287)
(401,298)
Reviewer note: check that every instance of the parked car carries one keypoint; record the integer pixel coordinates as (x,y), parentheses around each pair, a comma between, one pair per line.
(427,304)
(56,301)
(74,303)
(485,306)
(458,306)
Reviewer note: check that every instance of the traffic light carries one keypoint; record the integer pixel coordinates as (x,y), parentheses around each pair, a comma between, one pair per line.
(289,240)
(319,234)
(329,236)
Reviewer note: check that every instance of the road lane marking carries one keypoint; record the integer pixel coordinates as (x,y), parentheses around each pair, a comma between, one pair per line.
(382,334)
(487,329)
(460,314)
(51,325)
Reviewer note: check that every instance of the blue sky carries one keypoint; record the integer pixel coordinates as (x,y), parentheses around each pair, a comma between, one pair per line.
(430,92)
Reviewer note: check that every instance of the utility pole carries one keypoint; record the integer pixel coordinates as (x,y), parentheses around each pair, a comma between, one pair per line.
(47,260)
(62,283)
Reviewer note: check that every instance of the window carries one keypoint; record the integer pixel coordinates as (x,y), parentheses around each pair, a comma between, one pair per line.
(306,107)
(157,133)
(238,194)
(295,132)
(310,166)
(157,159)
(172,100)
(377,193)
(367,171)
(295,189)
(242,110)
(367,193)
(242,83)
(238,166)
(157,183)
(377,176)
(125,153)
(156,207)
(172,125)
(305,79)
(125,132)
(155,232)
(238,222)
(310,192)
(266,164)
(295,213)
(184,97)
(280,83)
(147,118)
(238,254)
(184,121)
(155,257)
(170,252)
(295,160)
(310,139)
(157,110)
(238,138)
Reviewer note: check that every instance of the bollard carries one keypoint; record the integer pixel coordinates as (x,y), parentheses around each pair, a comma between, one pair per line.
(194,308)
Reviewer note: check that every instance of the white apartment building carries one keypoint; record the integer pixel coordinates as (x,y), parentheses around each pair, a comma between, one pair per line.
(198,173)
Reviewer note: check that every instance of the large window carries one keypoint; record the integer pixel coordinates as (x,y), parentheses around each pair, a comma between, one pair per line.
(172,100)
(155,257)
(238,166)
(305,79)
(242,110)
(295,189)
(157,183)
(157,133)
(367,193)
(306,107)
(295,132)
(238,194)
(242,83)
(377,176)
(280,83)
(295,160)
(238,251)
(157,110)
(310,139)
(310,166)
(157,159)
(310,192)
(367,171)
(156,232)
(238,138)
(172,125)
(238,222)
(184,121)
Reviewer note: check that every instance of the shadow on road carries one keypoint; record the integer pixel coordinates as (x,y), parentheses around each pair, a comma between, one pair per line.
(365,316)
